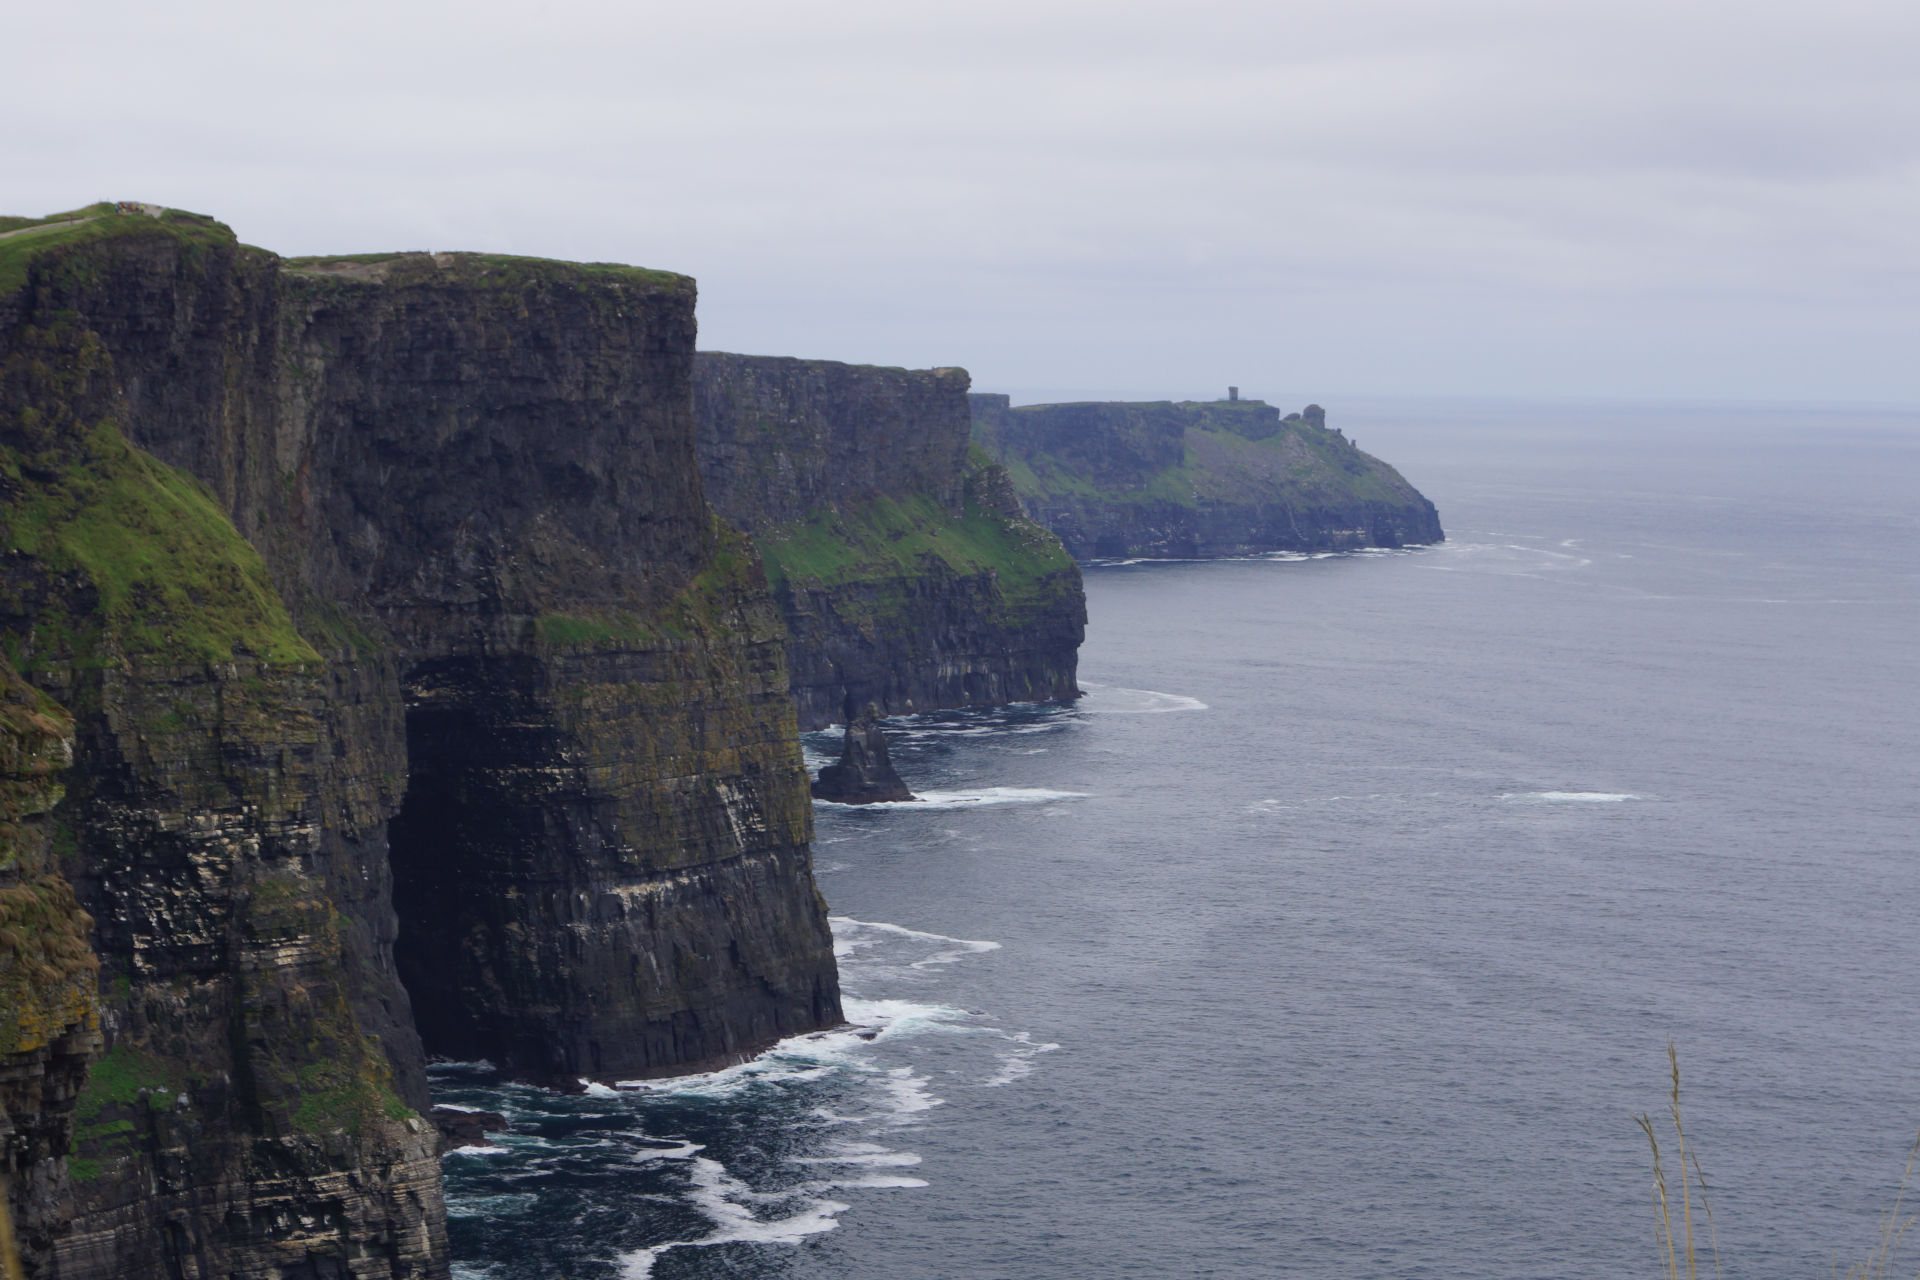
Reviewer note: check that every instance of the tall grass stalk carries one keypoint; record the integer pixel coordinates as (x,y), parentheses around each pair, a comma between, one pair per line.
(1892,1228)
(1678,1248)
(1691,1176)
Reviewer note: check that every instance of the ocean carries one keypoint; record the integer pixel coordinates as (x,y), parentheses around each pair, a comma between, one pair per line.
(1342,928)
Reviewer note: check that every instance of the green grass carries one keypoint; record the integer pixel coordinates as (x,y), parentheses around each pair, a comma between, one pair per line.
(1295,462)
(121,1086)
(497,270)
(696,611)
(892,537)
(120,1078)
(174,578)
(101,222)
(349,1106)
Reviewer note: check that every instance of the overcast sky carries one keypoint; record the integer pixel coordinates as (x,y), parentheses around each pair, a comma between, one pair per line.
(1503,197)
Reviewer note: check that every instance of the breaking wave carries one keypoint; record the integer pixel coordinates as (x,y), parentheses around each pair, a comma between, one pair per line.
(842,1101)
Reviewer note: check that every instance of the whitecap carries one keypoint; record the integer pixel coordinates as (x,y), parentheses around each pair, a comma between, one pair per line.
(684,1151)
(878,1181)
(477,1151)
(1568,797)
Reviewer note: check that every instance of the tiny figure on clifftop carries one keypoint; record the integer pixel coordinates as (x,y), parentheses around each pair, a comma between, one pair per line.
(864,775)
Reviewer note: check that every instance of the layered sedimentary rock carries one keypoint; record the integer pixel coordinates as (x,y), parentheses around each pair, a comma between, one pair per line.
(49,1019)
(1218,478)
(251,1111)
(904,568)
(374,583)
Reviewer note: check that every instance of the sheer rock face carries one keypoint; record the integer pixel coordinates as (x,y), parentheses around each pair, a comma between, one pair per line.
(904,569)
(1217,478)
(865,773)
(781,439)
(367,583)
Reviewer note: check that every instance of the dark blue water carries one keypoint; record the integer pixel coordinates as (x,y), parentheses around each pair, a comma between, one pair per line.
(1343,927)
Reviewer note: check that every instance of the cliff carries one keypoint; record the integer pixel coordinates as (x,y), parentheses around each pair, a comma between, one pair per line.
(905,571)
(1218,478)
(418,702)
(49,1015)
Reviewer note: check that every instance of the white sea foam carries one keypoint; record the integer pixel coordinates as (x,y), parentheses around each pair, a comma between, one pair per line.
(980,798)
(1018,1061)
(1568,797)
(684,1151)
(907,1094)
(846,931)
(920,732)
(869,1154)
(718,1195)
(863,1089)
(818,1054)
(478,1151)
(1103,699)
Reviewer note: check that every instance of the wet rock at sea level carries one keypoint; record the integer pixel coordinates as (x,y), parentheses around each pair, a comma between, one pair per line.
(865,774)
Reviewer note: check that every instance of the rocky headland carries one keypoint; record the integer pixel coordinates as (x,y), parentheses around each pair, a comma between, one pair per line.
(906,572)
(377,681)
(1198,479)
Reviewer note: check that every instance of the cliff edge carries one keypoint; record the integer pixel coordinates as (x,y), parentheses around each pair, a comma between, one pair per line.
(903,566)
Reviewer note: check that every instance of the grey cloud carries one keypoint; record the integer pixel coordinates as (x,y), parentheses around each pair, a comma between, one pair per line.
(1708,198)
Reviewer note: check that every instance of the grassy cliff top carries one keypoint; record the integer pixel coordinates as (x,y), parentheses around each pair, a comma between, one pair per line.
(481,270)
(1183,453)
(23,239)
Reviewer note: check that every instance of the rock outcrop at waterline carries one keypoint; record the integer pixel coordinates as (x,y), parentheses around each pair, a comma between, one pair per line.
(904,568)
(397,640)
(1216,478)
(864,773)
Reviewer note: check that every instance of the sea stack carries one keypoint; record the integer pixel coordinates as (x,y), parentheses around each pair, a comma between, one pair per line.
(864,775)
